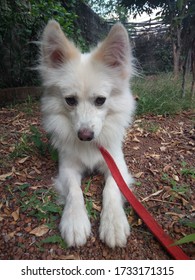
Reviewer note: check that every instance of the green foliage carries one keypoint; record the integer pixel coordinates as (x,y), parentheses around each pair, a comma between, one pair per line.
(43,146)
(21,24)
(89,202)
(39,204)
(36,137)
(29,141)
(109,9)
(22,147)
(161,95)
(45,10)
(188,238)
(176,188)
(90,210)
(185,239)
(54,239)
(187,171)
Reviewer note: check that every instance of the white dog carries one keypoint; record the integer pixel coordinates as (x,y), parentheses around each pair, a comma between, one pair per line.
(87,102)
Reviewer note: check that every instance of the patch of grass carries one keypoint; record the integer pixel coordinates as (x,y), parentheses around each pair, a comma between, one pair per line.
(176,187)
(87,186)
(138,184)
(54,239)
(92,213)
(39,204)
(188,238)
(31,140)
(161,95)
(42,146)
(187,171)
(22,147)
(150,127)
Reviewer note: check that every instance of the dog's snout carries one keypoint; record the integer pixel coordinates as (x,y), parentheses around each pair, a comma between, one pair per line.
(85,134)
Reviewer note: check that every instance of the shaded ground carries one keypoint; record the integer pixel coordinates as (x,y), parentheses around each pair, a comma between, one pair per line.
(159,152)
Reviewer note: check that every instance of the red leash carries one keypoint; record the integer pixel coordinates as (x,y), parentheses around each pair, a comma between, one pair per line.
(155,228)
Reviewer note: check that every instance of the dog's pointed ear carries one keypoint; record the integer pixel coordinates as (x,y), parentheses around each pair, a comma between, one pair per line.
(56,49)
(115,50)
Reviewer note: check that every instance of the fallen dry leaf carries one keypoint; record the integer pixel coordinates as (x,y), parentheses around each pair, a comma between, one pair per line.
(4,176)
(16,214)
(175,214)
(167,168)
(135,140)
(155,156)
(136,148)
(40,230)
(66,257)
(36,170)
(175,177)
(138,175)
(163,149)
(153,194)
(98,208)
(22,160)
(11,234)
(36,187)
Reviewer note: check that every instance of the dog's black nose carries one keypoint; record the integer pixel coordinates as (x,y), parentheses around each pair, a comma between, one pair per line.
(85,134)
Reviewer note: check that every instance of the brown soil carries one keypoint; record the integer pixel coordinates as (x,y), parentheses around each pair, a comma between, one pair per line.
(159,152)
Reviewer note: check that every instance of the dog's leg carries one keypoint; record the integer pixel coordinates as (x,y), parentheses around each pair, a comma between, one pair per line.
(114,226)
(75,227)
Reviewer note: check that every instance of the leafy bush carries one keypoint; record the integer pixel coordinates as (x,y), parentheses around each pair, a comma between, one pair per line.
(21,24)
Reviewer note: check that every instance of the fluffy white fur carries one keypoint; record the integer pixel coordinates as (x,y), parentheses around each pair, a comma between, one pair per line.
(77,129)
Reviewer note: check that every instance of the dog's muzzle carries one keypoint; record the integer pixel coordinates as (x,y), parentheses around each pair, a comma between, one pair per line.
(85,134)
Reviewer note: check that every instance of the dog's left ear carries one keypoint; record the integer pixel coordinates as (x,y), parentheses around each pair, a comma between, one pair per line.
(115,50)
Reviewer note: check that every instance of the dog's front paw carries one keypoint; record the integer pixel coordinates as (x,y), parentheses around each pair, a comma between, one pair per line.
(114,228)
(75,227)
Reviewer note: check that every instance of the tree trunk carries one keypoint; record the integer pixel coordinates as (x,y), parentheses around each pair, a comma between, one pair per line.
(193,70)
(176,39)
(176,60)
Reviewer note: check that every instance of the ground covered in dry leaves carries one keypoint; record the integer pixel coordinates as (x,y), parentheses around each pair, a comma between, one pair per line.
(160,154)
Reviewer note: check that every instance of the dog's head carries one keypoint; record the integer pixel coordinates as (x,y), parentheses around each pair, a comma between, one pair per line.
(88,88)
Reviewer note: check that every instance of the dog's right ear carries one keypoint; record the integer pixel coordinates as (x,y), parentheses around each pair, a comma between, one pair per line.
(56,49)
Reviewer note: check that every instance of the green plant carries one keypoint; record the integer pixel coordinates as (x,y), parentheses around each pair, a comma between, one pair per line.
(188,238)
(22,147)
(160,95)
(180,189)
(39,204)
(54,239)
(151,127)
(185,239)
(36,138)
(187,171)
(42,143)
(90,210)
(89,202)
(87,185)
(21,25)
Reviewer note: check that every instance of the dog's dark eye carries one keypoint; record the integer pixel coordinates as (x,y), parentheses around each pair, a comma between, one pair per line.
(99,101)
(71,101)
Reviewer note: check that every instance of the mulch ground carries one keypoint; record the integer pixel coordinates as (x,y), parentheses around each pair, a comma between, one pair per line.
(159,152)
